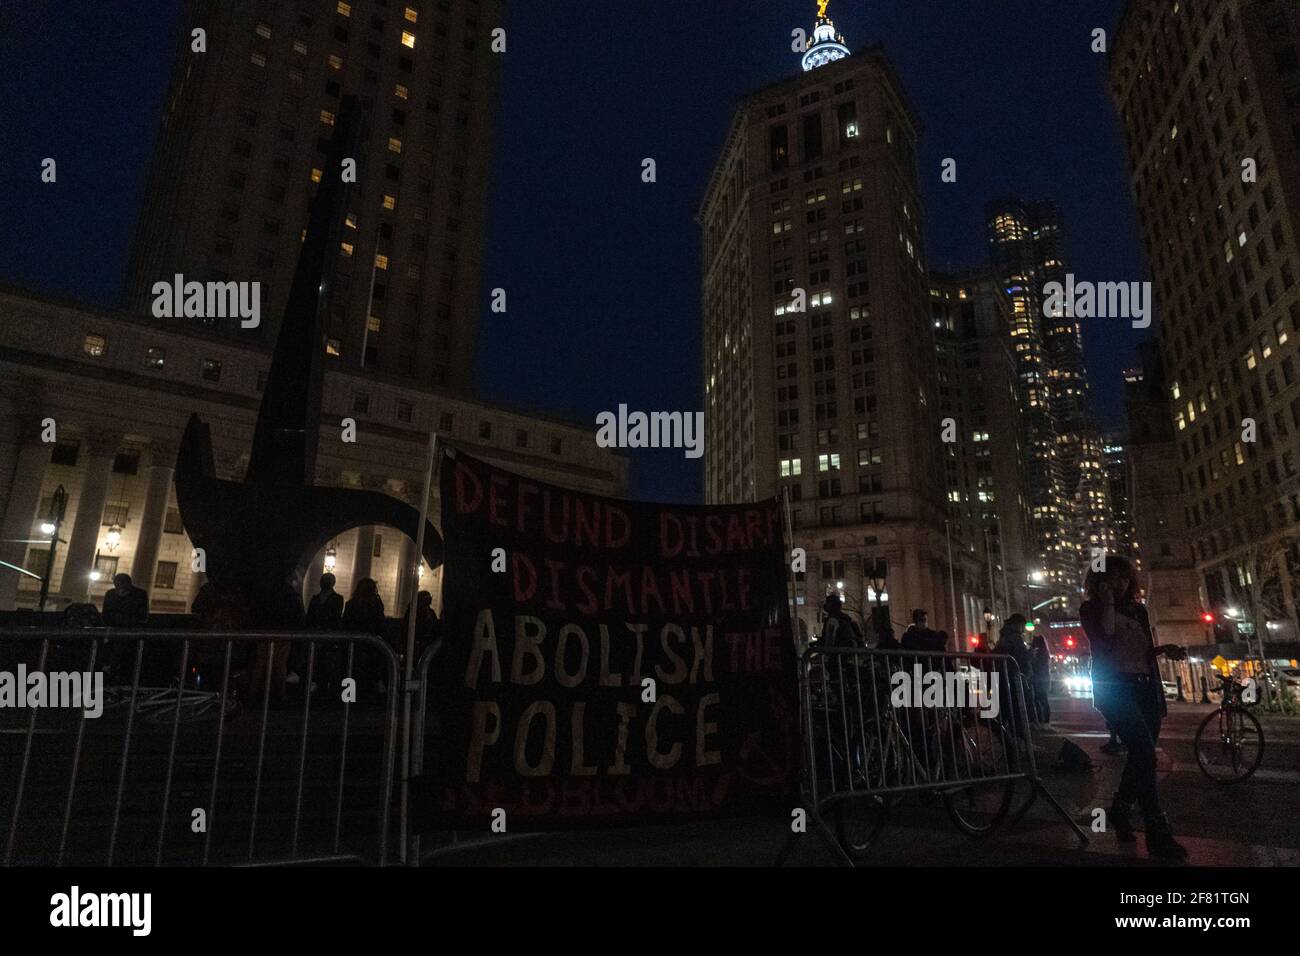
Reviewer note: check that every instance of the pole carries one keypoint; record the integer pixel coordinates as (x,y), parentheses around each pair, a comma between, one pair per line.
(409,664)
(952,589)
(988,559)
(792,602)
(1002,556)
(58,504)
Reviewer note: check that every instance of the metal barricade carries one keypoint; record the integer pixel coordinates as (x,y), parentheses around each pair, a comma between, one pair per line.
(190,761)
(879,724)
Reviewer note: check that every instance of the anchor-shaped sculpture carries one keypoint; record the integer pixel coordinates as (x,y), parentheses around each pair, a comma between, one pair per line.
(259,536)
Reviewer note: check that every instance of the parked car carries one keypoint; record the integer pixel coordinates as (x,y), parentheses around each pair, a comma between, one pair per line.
(1171,689)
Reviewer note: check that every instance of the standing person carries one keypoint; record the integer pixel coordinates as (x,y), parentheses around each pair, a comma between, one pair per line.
(126,605)
(324,613)
(919,637)
(1011,641)
(839,630)
(1040,661)
(1126,689)
(428,628)
(364,614)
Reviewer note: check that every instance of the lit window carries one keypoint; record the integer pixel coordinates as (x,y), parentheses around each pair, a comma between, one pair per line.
(347,248)
(381,261)
(264,29)
(300,47)
(336,62)
(411,15)
(259,59)
(333,347)
(390,202)
(401,92)
(315,175)
(155,357)
(1250,359)
(372,324)
(93,345)
(345,8)
(351,220)
(327,117)
(394,144)
(408,39)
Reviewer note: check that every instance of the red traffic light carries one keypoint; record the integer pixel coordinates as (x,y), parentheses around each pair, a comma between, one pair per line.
(1207,617)
(974,640)
(1069,642)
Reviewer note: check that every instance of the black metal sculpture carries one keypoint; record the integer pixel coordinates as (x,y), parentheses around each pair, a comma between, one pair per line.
(259,535)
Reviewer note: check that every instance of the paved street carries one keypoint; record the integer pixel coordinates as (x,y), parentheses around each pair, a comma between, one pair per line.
(1253,824)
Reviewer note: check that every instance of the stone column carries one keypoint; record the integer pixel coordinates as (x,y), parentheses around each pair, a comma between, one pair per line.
(20,514)
(406,578)
(363,554)
(83,542)
(157,495)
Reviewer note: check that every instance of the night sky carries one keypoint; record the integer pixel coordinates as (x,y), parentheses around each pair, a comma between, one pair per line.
(602,270)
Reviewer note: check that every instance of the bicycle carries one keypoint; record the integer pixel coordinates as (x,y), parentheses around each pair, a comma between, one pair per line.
(1230,742)
(922,757)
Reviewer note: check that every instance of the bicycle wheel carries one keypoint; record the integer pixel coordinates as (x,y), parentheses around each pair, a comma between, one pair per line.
(858,824)
(980,807)
(1229,745)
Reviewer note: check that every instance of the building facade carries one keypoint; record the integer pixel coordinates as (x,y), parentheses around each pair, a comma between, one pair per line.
(1209,95)
(96,403)
(818,350)
(241,148)
(1157,496)
(989,527)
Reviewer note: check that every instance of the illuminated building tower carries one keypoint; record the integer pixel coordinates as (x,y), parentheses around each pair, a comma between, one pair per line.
(984,467)
(818,350)
(1209,94)
(241,149)
(1016,261)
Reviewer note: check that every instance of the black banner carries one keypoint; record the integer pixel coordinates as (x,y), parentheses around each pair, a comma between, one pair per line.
(607,661)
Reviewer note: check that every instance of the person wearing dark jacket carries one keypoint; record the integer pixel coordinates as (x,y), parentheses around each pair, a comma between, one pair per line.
(839,630)
(1011,641)
(919,637)
(364,614)
(126,605)
(324,613)
(1040,672)
(1127,690)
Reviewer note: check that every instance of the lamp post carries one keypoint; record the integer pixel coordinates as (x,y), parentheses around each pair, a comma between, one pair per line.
(51,526)
(877,579)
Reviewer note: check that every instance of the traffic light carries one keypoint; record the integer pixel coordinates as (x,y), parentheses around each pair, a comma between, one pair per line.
(1207,617)
(1029,625)
(1069,643)
(975,641)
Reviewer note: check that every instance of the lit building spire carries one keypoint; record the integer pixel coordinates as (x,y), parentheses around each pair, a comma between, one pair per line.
(827,46)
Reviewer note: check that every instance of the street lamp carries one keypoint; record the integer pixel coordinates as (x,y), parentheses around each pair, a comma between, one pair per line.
(114,537)
(877,577)
(331,558)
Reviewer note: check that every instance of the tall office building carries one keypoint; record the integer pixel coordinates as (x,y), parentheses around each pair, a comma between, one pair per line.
(818,351)
(1067,484)
(1209,94)
(984,466)
(242,147)
(1157,499)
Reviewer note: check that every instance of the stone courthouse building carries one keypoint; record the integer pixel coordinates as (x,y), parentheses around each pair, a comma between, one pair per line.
(114,391)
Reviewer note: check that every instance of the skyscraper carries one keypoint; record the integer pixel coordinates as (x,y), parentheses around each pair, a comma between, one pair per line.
(984,464)
(1066,474)
(241,149)
(818,349)
(1209,94)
